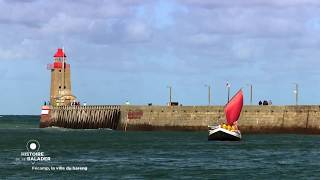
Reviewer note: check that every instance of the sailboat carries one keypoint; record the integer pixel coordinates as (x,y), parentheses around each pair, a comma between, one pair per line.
(229,131)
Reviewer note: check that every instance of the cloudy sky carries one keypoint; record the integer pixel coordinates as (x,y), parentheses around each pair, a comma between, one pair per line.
(133,49)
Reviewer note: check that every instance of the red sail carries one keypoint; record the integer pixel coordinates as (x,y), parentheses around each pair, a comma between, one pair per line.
(233,108)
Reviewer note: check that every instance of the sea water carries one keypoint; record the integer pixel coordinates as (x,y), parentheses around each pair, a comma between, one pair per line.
(108,154)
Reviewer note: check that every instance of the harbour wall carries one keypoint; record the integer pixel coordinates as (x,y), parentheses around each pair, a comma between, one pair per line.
(253,119)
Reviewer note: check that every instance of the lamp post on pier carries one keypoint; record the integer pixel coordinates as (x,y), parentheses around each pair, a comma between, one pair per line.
(209,93)
(250,86)
(170,95)
(296,92)
(228,88)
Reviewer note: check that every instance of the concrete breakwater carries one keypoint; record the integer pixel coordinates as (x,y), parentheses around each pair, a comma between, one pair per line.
(253,119)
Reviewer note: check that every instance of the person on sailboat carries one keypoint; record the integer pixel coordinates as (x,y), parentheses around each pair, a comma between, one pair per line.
(235,125)
(229,127)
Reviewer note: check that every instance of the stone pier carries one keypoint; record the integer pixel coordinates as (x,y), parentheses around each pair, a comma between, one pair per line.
(253,119)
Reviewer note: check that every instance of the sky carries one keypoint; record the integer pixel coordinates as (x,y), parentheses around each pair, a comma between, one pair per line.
(132,50)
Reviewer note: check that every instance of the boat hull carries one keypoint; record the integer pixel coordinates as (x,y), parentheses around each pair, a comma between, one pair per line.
(221,134)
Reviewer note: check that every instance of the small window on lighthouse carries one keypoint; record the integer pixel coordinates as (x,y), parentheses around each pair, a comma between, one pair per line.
(59,87)
(60,70)
(65,87)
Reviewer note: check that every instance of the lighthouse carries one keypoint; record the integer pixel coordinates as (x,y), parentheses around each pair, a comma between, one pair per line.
(60,92)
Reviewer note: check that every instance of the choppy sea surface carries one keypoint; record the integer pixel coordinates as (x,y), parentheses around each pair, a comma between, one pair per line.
(107,154)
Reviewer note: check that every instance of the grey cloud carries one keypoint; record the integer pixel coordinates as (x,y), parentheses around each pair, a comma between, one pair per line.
(38,13)
(203,39)
(118,32)
(250,3)
(250,22)
(19,1)
(231,33)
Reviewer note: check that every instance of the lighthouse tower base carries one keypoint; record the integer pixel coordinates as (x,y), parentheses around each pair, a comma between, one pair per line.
(45,120)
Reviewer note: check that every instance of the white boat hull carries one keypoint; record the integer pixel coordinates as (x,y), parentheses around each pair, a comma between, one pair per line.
(221,134)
